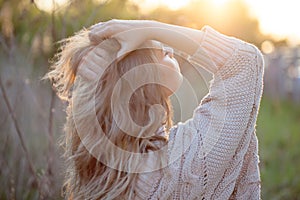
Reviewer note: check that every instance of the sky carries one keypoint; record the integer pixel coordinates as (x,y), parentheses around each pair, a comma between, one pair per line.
(279,18)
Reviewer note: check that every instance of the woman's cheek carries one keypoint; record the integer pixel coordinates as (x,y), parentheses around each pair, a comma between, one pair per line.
(172,79)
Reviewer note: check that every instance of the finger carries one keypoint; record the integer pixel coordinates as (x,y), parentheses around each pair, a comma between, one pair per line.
(95,61)
(98,65)
(103,26)
(94,65)
(99,52)
(104,31)
(122,53)
(86,73)
(100,35)
(125,49)
(96,37)
(95,26)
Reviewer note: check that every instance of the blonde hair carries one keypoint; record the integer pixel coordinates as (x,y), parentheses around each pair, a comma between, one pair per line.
(88,177)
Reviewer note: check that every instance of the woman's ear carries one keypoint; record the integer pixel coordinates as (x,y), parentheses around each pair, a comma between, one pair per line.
(170,78)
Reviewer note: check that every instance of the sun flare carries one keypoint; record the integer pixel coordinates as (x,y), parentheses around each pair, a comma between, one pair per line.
(219,2)
(171,4)
(277,18)
(175,4)
(49,5)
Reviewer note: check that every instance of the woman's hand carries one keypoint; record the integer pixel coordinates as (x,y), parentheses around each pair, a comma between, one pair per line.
(129,33)
(126,32)
(103,30)
(132,33)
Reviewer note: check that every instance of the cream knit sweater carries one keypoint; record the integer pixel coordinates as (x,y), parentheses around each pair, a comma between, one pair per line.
(214,154)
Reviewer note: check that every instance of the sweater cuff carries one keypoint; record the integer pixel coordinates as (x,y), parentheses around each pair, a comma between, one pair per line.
(215,49)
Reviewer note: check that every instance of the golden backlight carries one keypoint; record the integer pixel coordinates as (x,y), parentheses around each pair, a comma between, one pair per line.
(175,4)
(219,2)
(279,18)
(49,5)
(147,5)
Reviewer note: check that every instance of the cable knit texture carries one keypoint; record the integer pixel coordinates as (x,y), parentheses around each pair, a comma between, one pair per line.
(214,155)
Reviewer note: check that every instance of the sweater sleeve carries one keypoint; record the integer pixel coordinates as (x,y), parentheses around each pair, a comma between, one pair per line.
(206,153)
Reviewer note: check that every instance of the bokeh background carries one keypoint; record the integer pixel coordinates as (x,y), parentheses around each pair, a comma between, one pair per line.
(32,118)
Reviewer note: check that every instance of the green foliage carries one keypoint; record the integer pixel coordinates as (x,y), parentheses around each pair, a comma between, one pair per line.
(278,132)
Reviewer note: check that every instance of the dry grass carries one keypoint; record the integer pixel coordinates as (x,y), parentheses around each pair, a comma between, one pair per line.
(31,122)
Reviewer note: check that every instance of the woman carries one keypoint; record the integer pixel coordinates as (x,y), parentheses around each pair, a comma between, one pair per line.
(120,141)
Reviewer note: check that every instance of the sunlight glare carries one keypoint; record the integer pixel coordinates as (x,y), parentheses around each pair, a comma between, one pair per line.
(147,5)
(48,5)
(267,47)
(278,18)
(175,4)
(219,2)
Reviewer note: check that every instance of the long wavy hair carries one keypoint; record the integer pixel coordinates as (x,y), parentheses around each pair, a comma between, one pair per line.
(90,173)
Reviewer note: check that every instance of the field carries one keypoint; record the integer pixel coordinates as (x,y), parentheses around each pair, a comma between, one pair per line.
(278,130)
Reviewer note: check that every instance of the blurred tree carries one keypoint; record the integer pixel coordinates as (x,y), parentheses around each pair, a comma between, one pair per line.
(233,18)
(36,28)
(39,30)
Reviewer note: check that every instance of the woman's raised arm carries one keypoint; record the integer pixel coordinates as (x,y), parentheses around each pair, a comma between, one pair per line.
(214,154)
(132,33)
